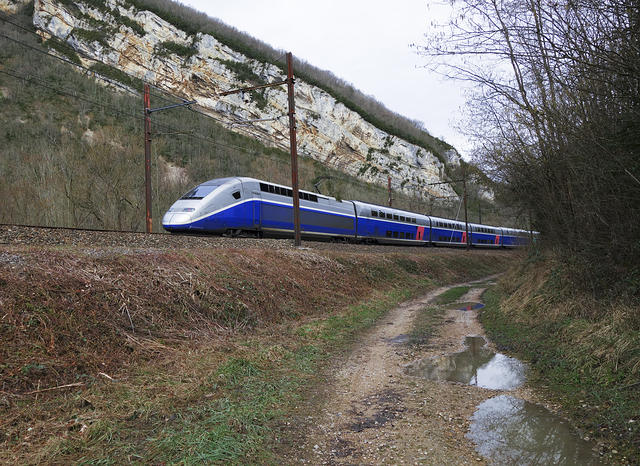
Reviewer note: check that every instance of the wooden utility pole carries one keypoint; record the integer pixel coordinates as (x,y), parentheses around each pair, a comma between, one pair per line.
(292,139)
(294,151)
(147,149)
(147,156)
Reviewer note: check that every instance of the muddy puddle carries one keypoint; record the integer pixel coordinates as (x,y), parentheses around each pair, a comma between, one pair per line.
(508,430)
(477,365)
(470,306)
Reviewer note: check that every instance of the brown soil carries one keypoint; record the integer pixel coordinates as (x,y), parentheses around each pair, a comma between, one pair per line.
(79,309)
(373,413)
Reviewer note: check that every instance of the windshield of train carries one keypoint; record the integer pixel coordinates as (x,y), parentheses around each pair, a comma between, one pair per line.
(200,191)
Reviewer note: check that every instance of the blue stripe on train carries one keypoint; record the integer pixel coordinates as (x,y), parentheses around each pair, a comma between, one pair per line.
(260,214)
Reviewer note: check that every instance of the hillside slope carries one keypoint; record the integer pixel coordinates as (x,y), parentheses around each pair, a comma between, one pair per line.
(195,65)
(191,350)
(72,148)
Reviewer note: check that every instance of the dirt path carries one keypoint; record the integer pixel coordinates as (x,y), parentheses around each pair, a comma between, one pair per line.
(375,413)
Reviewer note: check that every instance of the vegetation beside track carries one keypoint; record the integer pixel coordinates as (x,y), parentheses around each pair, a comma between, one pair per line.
(585,350)
(115,354)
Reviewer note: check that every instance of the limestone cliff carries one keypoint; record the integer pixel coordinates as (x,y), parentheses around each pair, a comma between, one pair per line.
(197,67)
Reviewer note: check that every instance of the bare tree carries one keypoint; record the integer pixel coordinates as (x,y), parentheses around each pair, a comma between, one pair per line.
(555,112)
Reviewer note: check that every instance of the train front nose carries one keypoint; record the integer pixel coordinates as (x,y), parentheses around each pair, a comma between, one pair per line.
(178,219)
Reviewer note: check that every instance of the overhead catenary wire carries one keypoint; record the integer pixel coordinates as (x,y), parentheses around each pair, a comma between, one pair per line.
(142,65)
(89,70)
(119,112)
(129,90)
(260,137)
(163,126)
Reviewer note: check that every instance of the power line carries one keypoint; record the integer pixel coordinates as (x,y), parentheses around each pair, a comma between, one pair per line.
(127,89)
(116,110)
(259,137)
(75,95)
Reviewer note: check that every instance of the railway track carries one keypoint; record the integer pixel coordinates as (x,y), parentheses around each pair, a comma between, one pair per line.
(30,235)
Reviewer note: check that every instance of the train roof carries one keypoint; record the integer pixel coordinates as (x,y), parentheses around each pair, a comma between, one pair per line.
(246,179)
(394,209)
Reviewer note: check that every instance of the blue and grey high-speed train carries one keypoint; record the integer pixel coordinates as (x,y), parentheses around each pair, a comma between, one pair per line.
(245,205)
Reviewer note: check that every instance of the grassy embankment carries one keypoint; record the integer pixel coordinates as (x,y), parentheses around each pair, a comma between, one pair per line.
(586,351)
(187,355)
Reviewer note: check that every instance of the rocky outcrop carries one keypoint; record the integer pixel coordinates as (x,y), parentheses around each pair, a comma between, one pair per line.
(12,6)
(198,67)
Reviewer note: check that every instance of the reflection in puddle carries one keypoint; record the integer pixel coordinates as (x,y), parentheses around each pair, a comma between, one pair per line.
(471,306)
(476,365)
(507,430)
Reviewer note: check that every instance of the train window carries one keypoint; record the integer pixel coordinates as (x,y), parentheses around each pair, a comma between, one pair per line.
(200,192)
(395,234)
(374,213)
(304,196)
(402,219)
(413,220)
(290,192)
(264,187)
(388,233)
(395,216)
(389,216)
(272,188)
(236,194)
(381,213)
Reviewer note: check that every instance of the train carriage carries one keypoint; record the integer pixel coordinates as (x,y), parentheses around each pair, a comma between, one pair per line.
(446,232)
(388,225)
(234,205)
(319,215)
(513,238)
(485,235)
(238,204)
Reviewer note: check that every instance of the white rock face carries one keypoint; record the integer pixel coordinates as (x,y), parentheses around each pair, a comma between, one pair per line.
(12,6)
(327,130)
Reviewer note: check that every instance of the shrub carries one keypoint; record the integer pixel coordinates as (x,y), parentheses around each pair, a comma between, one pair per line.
(168,47)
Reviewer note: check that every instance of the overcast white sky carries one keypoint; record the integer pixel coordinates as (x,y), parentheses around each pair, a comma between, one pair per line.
(365,42)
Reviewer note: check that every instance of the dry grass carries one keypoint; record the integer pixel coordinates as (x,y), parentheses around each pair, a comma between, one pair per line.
(586,349)
(155,343)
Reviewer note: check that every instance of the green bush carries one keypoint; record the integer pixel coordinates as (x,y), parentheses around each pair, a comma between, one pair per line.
(169,47)
(90,36)
(63,48)
(242,71)
(117,75)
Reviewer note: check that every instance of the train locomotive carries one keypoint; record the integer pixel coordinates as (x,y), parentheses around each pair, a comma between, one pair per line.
(241,205)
